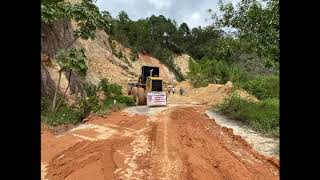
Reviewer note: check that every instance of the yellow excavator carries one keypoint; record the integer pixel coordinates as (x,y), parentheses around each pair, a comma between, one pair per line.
(149,88)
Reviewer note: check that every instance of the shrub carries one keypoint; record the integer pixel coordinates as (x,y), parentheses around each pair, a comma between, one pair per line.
(117,107)
(263,116)
(91,101)
(110,90)
(263,87)
(128,101)
(45,104)
(64,115)
(212,71)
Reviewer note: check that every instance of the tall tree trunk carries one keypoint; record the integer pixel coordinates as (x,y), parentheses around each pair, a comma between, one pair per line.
(65,92)
(56,92)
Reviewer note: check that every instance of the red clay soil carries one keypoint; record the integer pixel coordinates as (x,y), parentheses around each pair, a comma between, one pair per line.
(208,151)
(179,143)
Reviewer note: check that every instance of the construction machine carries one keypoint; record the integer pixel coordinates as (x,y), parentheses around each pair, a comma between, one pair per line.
(149,88)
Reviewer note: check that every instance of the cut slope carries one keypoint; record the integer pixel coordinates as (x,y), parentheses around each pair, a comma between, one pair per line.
(103,64)
(182,61)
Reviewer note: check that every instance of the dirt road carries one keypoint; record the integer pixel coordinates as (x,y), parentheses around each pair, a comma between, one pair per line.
(176,142)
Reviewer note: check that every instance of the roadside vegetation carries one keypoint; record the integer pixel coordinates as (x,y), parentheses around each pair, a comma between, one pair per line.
(55,111)
(101,99)
(249,57)
(263,115)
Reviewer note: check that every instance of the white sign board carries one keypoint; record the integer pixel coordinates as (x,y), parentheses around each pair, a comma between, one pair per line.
(156,99)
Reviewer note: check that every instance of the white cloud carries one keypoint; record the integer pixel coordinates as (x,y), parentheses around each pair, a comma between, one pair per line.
(159,4)
(193,12)
(195,16)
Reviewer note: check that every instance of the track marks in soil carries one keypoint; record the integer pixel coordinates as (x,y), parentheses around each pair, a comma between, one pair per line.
(177,143)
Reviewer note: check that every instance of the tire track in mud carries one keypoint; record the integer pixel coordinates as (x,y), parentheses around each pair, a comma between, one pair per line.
(140,146)
(175,143)
(171,164)
(103,149)
(165,160)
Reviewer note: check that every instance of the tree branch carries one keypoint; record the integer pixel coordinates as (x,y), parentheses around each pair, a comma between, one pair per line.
(65,92)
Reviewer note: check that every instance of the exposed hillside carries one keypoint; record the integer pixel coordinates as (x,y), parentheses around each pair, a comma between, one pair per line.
(134,67)
(182,62)
(101,60)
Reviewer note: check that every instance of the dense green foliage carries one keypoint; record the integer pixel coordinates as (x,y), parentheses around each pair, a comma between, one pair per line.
(90,103)
(249,58)
(69,60)
(64,115)
(256,25)
(263,87)
(212,71)
(127,100)
(263,116)
(151,35)
(109,89)
(72,59)
(86,14)
(114,92)
(257,36)
(88,18)
(111,92)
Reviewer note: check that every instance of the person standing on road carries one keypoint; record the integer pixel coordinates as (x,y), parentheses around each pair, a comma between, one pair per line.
(173,90)
(181,91)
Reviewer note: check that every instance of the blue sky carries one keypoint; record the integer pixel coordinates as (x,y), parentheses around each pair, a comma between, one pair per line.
(193,12)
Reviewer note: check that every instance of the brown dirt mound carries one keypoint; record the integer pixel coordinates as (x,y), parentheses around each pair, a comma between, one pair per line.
(244,94)
(213,94)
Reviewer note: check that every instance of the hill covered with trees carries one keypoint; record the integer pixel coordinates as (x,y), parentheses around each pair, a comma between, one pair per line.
(248,56)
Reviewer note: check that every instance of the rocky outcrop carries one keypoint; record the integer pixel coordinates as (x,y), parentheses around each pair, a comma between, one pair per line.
(54,37)
(47,84)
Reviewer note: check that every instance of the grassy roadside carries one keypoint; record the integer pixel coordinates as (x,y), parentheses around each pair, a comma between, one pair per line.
(67,114)
(263,116)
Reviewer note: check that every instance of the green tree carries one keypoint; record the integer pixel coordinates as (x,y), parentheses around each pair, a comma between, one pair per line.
(69,60)
(86,14)
(88,18)
(256,25)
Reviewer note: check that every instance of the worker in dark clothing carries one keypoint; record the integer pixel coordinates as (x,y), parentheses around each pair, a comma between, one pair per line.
(181,91)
